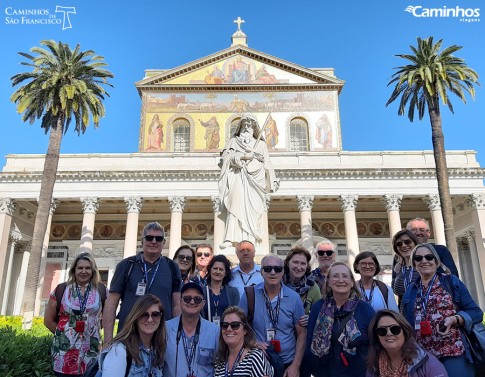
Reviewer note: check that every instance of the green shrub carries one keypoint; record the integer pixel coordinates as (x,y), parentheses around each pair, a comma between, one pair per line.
(24,353)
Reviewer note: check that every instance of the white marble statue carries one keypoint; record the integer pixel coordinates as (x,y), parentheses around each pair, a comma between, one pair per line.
(246,177)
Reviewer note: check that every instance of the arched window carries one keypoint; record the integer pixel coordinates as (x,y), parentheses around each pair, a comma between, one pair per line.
(181,135)
(298,135)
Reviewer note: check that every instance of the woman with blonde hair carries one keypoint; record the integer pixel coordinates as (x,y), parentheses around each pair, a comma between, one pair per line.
(139,348)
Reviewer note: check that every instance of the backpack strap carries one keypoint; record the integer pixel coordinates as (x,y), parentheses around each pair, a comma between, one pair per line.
(59,292)
(384,290)
(250,298)
(129,360)
(127,273)
(103,292)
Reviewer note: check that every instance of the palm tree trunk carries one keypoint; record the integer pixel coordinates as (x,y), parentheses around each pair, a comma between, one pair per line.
(42,216)
(443,182)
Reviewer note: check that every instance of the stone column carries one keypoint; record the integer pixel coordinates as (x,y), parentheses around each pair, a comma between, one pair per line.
(90,207)
(19,310)
(434,205)
(43,260)
(393,204)
(305,205)
(133,207)
(15,237)
(177,205)
(349,204)
(477,204)
(264,224)
(218,224)
(7,208)
(477,276)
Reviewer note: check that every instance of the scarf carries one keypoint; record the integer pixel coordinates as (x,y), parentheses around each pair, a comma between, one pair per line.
(322,334)
(386,370)
(301,287)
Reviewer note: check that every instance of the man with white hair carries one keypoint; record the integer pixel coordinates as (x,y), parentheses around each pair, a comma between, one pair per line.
(325,252)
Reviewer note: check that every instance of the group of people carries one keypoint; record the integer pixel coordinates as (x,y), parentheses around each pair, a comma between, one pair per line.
(195,315)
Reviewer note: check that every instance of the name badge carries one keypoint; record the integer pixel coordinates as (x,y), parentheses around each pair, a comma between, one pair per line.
(417,322)
(216,319)
(270,334)
(141,289)
(425,327)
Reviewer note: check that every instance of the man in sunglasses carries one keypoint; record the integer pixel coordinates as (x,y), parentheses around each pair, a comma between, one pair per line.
(325,252)
(277,310)
(192,342)
(146,272)
(247,273)
(420,228)
(203,256)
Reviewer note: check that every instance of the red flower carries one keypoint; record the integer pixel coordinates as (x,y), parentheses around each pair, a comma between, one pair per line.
(62,322)
(71,362)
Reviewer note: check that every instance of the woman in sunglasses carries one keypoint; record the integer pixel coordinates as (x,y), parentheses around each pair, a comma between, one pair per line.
(218,294)
(297,270)
(439,306)
(375,292)
(337,327)
(393,351)
(138,350)
(403,274)
(185,258)
(239,355)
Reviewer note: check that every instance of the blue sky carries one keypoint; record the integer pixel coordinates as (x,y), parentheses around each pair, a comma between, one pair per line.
(357,38)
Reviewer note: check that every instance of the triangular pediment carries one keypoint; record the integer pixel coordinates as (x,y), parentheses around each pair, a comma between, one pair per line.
(240,66)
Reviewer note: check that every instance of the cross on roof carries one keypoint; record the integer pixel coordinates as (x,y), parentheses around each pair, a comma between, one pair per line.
(239,21)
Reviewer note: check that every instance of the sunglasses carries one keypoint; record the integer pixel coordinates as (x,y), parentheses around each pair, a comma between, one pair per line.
(394,329)
(154,315)
(184,257)
(156,238)
(188,299)
(328,253)
(206,254)
(405,242)
(420,230)
(234,325)
(268,269)
(428,257)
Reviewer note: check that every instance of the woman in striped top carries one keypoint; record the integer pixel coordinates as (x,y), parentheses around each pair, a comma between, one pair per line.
(238,353)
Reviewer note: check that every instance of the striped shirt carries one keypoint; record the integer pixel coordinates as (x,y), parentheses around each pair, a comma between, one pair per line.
(254,364)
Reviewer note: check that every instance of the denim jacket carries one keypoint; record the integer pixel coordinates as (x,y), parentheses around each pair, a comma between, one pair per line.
(464,304)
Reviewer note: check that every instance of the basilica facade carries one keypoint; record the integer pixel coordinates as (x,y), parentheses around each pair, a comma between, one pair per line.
(356,199)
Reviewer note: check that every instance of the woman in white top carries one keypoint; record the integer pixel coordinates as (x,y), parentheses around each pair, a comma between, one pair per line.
(138,350)
(375,292)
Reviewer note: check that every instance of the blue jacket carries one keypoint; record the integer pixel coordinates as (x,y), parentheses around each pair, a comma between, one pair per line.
(464,303)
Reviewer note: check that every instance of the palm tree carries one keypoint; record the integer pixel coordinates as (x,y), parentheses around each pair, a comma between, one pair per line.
(430,76)
(64,85)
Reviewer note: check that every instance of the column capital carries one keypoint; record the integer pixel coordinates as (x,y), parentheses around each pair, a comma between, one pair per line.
(305,202)
(348,202)
(267,201)
(433,202)
(216,203)
(7,206)
(53,207)
(469,235)
(392,202)
(133,203)
(177,203)
(15,236)
(90,204)
(476,201)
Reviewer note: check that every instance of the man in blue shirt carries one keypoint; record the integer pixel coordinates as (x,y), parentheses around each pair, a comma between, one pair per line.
(247,273)
(277,310)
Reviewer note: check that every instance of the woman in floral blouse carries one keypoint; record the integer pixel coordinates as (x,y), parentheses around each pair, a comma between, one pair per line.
(439,307)
(76,326)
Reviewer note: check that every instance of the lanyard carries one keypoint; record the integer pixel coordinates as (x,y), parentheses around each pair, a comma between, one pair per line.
(188,356)
(84,299)
(235,363)
(146,273)
(273,313)
(215,302)
(371,295)
(246,282)
(408,277)
(424,301)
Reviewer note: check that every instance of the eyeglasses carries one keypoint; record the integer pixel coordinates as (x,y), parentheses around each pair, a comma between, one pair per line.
(154,315)
(405,242)
(151,238)
(428,257)
(337,277)
(181,257)
(367,264)
(328,253)
(188,299)
(234,325)
(421,230)
(268,269)
(384,330)
(206,254)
